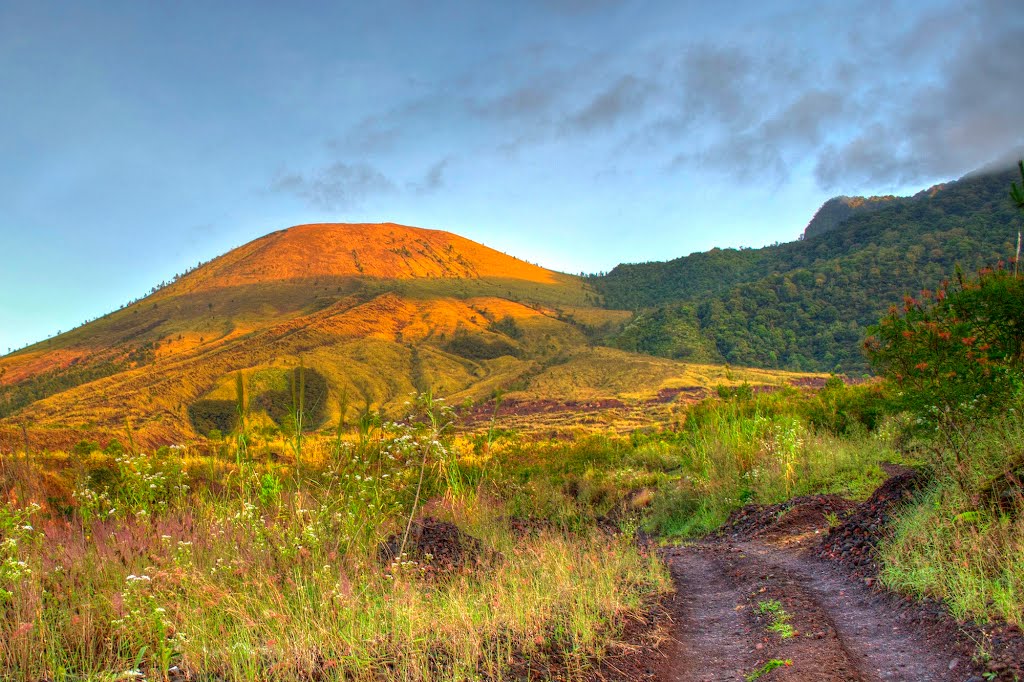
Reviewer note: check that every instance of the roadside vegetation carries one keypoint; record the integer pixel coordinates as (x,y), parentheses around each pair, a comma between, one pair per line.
(954,364)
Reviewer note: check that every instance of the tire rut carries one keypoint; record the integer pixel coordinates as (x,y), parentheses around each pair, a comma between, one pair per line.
(839,632)
(712,639)
(879,647)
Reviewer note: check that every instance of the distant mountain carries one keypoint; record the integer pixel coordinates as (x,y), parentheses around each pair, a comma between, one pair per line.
(838,210)
(365,314)
(805,305)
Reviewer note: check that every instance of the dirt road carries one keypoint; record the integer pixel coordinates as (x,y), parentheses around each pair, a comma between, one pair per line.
(840,630)
(780,595)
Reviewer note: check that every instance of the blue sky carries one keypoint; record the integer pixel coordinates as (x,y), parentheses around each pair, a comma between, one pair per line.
(137,138)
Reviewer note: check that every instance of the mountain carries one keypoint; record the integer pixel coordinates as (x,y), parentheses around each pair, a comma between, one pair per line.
(370,313)
(805,305)
(838,210)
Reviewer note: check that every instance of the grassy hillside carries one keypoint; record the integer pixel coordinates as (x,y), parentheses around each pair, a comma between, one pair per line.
(805,305)
(374,311)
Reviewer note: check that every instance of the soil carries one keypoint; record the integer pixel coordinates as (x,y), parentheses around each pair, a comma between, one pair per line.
(854,541)
(435,546)
(845,625)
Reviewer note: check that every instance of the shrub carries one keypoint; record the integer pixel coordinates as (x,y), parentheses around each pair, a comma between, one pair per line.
(507,326)
(479,347)
(213,415)
(844,410)
(280,405)
(85,447)
(114,447)
(953,359)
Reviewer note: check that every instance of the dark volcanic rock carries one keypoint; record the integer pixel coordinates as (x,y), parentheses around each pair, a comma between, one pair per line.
(792,517)
(855,541)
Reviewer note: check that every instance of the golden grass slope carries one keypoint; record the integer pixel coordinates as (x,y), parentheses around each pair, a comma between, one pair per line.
(374,308)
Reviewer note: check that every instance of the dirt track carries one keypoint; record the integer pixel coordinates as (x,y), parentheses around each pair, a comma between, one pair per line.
(842,630)
(841,624)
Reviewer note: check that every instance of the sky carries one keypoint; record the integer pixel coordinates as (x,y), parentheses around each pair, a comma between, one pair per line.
(138,138)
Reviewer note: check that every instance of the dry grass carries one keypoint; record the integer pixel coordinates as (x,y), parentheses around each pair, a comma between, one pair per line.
(264,572)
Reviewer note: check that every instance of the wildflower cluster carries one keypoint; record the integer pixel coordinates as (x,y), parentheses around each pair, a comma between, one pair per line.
(145,625)
(139,484)
(15,531)
(93,505)
(147,483)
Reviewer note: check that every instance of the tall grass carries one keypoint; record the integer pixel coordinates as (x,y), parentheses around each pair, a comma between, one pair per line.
(254,568)
(249,570)
(756,449)
(964,543)
(685,482)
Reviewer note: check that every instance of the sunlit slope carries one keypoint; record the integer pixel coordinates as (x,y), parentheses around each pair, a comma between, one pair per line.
(376,311)
(384,251)
(366,349)
(303,269)
(355,301)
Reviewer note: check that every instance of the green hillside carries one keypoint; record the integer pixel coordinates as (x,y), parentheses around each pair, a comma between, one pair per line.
(804,305)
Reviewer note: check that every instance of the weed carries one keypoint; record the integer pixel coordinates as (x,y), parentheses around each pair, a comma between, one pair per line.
(779,624)
(767,668)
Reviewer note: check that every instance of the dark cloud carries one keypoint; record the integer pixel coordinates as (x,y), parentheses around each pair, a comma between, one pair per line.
(968,116)
(868,95)
(338,186)
(432,180)
(717,82)
(893,107)
(623,99)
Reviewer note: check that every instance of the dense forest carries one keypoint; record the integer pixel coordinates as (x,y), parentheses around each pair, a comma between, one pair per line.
(805,305)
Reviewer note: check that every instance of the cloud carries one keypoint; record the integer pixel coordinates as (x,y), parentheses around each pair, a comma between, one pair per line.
(432,180)
(622,100)
(372,135)
(900,105)
(969,115)
(868,95)
(342,185)
(337,186)
(575,7)
(532,101)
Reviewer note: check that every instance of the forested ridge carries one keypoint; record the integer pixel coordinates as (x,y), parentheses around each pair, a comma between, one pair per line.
(805,305)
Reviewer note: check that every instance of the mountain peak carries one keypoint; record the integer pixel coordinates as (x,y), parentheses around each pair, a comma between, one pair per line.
(359,250)
(838,210)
